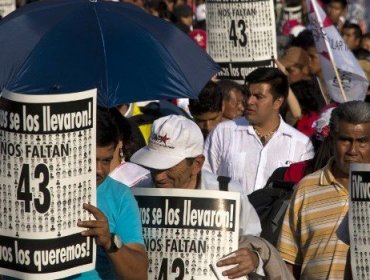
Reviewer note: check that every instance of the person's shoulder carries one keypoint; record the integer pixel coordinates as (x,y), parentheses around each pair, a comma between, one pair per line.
(238,123)
(294,133)
(309,181)
(111,185)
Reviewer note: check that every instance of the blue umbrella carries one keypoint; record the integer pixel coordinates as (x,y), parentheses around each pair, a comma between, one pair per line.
(62,46)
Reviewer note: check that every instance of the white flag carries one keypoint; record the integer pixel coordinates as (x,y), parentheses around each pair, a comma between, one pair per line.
(333,52)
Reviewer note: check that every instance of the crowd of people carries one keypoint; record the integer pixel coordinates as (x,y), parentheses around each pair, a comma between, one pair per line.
(178,156)
(281,125)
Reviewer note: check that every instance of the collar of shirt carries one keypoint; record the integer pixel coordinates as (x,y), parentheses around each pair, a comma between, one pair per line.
(283,128)
(327,178)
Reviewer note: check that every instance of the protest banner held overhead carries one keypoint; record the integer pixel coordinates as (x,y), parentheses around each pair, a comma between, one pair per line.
(344,77)
(185,231)
(359,221)
(47,171)
(241,36)
(6,7)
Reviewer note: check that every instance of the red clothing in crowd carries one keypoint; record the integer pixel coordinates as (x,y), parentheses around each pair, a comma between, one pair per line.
(304,125)
(295,172)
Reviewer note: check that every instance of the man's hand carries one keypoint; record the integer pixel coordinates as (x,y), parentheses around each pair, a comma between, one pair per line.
(281,67)
(98,228)
(130,261)
(246,261)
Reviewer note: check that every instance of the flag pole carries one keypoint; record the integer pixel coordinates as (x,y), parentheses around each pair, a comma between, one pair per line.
(330,54)
(338,77)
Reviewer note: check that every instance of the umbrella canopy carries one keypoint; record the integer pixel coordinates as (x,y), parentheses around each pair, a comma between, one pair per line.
(62,46)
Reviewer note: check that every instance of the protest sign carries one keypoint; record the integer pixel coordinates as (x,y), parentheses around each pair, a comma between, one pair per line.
(344,78)
(187,230)
(6,7)
(359,224)
(47,171)
(241,36)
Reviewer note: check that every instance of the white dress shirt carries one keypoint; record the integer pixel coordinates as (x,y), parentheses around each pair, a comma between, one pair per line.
(233,149)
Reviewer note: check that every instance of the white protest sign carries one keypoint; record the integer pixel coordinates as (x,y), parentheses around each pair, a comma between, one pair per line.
(241,36)
(359,220)
(6,7)
(187,230)
(47,171)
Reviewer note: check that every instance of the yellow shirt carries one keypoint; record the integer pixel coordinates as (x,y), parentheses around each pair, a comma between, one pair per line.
(145,129)
(308,238)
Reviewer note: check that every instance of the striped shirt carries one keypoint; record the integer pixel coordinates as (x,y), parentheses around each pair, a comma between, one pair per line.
(308,238)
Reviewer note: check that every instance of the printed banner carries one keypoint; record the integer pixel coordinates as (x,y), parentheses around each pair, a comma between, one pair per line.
(6,7)
(241,36)
(359,224)
(47,171)
(187,230)
(332,51)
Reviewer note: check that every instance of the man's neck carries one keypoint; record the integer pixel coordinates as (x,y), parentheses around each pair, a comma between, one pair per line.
(198,181)
(269,126)
(194,182)
(339,176)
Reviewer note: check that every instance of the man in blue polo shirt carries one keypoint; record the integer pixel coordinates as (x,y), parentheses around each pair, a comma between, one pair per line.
(117,228)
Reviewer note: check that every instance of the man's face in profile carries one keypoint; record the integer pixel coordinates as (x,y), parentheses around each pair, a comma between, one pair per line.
(104,156)
(208,121)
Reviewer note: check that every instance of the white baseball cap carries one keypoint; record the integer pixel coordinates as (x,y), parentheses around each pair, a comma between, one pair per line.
(172,139)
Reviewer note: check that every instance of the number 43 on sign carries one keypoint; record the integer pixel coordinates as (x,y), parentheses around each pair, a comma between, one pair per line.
(24,188)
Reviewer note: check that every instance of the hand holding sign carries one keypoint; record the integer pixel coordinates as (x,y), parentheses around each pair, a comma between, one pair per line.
(98,228)
(245,262)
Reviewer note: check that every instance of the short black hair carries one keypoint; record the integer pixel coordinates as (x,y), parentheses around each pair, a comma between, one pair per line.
(305,91)
(129,133)
(277,80)
(106,128)
(366,36)
(357,30)
(209,100)
(342,2)
(304,40)
(361,54)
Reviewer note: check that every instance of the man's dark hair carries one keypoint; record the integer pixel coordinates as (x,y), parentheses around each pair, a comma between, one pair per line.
(306,92)
(366,36)
(304,40)
(356,28)
(353,112)
(361,54)
(209,100)
(342,2)
(226,86)
(272,76)
(106,129)
(129,133)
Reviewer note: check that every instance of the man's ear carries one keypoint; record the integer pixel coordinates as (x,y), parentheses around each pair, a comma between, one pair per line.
(278,102)
(198,164)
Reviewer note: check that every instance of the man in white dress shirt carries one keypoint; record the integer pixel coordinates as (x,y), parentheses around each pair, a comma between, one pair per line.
(250,148)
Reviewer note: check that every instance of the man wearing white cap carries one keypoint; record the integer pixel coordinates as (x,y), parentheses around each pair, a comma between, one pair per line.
(175,158)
